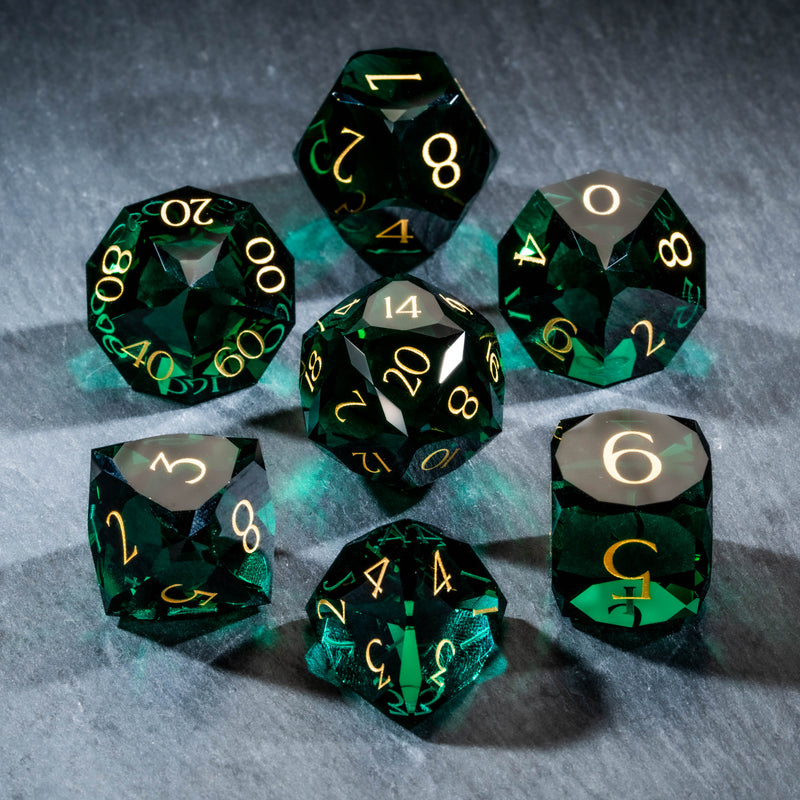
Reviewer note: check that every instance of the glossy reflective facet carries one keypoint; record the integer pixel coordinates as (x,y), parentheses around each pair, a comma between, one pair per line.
(632,535)
(180,525)
(406,617)
(401,382)
(602,278)
(190,294)
(395,155)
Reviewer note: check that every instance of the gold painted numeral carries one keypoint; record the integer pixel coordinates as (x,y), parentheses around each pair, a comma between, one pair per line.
(345,206)
(360,404)
(139,359)
(470,402)
(313,370)
(380,460)
(493,360)
(372,78)
(589,206)
(414,312)
(338,163)
(114,281)
(610,457)
(186,212)
(382,681)
(649,328)
(608,563)
(550,330)
(674,259)
(456,304)
(439,165)
(267,268)
(444,460)
(404,236)
(237,359)
(126,556)
(441,579)
(342,310)
(442,667)
(338,613)
(412,390)
(195,594)
(194,462)
(376,582)
(530,252)
(251,526)
(116,267)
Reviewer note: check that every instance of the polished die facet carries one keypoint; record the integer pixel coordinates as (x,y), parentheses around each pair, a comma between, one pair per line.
(631,502)
(395,155)
(401,382)
(190,294)
(406,617)
(181,525)
(602,278)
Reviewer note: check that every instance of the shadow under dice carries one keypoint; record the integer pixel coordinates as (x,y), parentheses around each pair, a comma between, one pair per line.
(395,155)
(401,382)
(406,617)
(180,525)
(602,278)
(190,294)
(631,540)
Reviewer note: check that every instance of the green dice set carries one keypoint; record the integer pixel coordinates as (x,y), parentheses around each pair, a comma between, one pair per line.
(601,277)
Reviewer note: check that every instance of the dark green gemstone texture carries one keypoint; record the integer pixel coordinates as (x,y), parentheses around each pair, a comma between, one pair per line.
(190,294)
(181,525)
(602,278)
(631,539)
(395,155)
(406,617)
(401,382)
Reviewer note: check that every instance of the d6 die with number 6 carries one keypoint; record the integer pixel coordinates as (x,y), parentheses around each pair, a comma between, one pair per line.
(181,525)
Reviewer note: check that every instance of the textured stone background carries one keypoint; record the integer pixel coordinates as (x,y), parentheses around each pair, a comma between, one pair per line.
(104,104)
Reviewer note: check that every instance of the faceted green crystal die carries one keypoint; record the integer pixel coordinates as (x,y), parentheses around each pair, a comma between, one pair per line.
(180,525)
(631,540)
(190,294)
(406,617)
(602,278)
(401,382)
(395,155)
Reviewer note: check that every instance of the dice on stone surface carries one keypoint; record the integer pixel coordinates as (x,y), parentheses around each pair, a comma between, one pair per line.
(395,155)
(190,294)
(401,382)
(406,617)
(602,278)
(631,538)
(181,524)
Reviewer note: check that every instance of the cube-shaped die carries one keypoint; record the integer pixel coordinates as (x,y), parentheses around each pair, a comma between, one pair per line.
(181,524)
(631,503)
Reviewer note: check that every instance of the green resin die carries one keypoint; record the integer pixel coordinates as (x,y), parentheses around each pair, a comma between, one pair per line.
(406,617)
(631,539)
(181,525)
(190,294)
(395,155)
(602,278)
(401,382)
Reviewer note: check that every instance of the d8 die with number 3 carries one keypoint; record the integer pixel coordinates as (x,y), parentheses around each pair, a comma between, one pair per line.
(401,382)
(395,155)
(181,525)
(190,294)
(602,278)
(631,541)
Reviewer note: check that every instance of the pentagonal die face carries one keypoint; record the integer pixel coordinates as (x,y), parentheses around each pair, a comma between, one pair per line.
(395,155)
(602,278)
(401,382)
(406,617)
(181,525)
(631,541)
(190,294)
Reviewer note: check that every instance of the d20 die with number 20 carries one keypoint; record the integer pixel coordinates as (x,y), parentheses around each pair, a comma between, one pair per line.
(602,278)
(190,294)
(181,525)
(631,541)
(395,155)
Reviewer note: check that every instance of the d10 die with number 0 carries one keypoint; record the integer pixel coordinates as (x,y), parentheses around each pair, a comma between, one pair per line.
(602,278)
(631,539)
(395,155)
(406,617)
(190,294)
(401,382)
(181,525)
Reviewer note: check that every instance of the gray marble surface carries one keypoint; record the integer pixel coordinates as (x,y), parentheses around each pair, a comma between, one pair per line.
(108,103)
